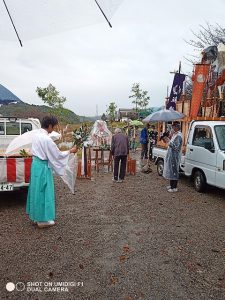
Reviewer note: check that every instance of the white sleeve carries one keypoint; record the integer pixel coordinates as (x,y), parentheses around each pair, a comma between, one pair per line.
(57,159)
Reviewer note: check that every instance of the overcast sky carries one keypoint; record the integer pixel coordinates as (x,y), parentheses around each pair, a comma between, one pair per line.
(95,65)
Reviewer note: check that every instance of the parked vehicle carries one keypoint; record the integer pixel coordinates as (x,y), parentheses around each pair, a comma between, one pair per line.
(203,158)
(15,170)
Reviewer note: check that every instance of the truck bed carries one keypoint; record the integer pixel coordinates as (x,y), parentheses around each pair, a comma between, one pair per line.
(14,171)
(160,153)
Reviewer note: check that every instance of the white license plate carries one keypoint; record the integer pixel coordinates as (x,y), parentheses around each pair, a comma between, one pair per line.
(5,187)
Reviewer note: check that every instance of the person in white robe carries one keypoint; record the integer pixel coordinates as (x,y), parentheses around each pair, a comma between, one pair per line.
(46,158)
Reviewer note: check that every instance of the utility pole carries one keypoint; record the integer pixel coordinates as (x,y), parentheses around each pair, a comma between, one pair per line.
(179,69)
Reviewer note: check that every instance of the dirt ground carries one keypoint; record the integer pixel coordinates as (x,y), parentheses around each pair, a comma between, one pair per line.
(122,241)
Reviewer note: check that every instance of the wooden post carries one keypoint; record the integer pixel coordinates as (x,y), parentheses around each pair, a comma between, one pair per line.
(89,169)
(133,167)
(89,154)
(79,169)
(128,164)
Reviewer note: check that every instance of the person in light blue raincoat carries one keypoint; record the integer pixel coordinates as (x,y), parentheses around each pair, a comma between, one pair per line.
(173,157)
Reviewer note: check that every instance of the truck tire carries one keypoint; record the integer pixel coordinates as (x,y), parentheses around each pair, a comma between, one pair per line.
(160,167)
(199,181)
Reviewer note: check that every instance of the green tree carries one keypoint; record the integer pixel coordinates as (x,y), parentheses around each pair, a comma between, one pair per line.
(51,97)
(136,96)
(140,98)
(111,111)
(144,99)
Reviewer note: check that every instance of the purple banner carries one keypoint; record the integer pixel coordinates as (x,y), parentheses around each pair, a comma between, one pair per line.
(176,90)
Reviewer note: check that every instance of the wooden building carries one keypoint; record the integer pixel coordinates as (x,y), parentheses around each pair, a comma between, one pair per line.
(125,114)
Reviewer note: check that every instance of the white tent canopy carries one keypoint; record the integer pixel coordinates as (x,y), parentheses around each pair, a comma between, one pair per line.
(37,18)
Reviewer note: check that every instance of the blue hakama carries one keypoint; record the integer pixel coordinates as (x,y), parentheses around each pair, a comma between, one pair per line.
(41,195)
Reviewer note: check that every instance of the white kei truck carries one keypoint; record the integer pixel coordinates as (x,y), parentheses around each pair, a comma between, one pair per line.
(14,169)
(203,155)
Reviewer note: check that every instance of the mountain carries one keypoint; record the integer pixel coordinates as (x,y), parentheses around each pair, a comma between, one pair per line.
(89,118)
(25,110)
(12,106)
(7,97)
(154,109)
(145,112)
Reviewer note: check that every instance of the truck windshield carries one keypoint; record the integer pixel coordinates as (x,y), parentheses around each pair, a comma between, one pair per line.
(220,134)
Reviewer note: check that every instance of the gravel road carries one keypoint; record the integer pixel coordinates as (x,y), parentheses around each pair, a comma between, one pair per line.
(122,241)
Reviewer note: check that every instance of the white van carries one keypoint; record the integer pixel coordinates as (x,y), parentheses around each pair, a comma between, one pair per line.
(204,157)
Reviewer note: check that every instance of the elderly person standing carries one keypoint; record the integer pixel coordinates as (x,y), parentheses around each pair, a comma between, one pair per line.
(120,150)
(173,156)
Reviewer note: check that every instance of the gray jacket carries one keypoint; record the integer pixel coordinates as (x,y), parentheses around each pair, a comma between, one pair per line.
(120,144)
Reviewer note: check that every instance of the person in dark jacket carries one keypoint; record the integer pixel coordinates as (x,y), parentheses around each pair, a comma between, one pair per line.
(153,135)
(144,138)
(120,150)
